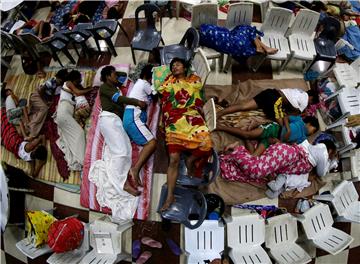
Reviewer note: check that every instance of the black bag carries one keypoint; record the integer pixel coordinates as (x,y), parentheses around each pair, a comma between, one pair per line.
(30,66)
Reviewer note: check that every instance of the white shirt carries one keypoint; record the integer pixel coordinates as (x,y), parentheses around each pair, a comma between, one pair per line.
(66,96)
(141,91)
(22,152)
(9,103)
(318,157)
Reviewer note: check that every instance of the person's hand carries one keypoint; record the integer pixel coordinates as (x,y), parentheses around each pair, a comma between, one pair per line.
(273,141)
(142,105)
(353,120)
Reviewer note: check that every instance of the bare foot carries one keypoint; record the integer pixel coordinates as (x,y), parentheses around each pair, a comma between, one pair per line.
(167,203)
(134,177)
(128,188)
(271,50)
(260,50)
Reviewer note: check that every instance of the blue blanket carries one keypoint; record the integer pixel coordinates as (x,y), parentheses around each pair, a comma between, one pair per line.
(352,35)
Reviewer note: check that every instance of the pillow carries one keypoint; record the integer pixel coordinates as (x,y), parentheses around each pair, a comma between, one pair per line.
(159,75)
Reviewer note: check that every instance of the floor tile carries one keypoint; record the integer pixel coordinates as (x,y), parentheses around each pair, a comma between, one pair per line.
(181,25)
(67,198)
(15,67)
(217,77)
(63,211)
(96,59)
(12,235)
(64,60)
(128,25)
(155,231)
(342,257)
(157,182)
(131,7)
(124,56)
(294,70)
(161,159)
(36,203)
(11,260)
(354,255)
(241,71)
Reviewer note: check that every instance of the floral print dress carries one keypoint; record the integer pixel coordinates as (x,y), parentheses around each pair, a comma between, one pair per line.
(181,104)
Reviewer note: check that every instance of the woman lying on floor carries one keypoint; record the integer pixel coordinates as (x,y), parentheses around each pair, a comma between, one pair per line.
(242,41)
(185,129)
(237,164)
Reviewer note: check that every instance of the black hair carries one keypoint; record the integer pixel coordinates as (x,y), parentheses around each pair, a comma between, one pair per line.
(330,145)
(182,61)
(113,13)
(106,71)
(40,153)
(3,92)
(62,74)
(314,95)
(312,121)
(146,72)
(46,30)
(74,75)
(66,18)
(82,19)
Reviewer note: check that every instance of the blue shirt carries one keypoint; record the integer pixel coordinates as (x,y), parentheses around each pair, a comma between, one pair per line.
(298,130)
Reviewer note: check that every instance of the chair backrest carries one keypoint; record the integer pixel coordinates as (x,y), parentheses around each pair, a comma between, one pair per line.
(190,39)
(277,20)
(356,66)
(19,45)
(201,65)
(80,32)
(344,195)
(355,164)
(6,40)
(149,10)
(204,14)
(58,41)
(245,230)
(281,230)
(209,237)
(305,22)
(349,100)
(317,220)
(239,14)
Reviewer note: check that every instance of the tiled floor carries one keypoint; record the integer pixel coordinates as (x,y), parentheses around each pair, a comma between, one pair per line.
(65,204)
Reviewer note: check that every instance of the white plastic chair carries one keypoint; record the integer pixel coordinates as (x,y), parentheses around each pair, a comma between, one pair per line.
(281,235)
(207,13)
(348,144)
(201,66)
(349,100)
(276,24)
(348,76)
(238,14)
(245,234)
(264,5)
(317,223)
(355,164)
(300,36)
(344,198)
(106,241)
(205,242)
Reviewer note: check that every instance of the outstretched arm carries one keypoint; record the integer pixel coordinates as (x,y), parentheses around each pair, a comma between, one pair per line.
(76,90)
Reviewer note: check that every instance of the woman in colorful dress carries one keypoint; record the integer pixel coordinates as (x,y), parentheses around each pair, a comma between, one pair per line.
(185,128)
(237,164)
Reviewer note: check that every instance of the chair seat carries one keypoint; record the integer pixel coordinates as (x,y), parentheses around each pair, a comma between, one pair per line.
(211,53)
(346,75)
(146,40)
(278,42)
(249,254)
(174,51)
(333,241)
(58,44)
(302,46)
(290,253)
(352,212)
(110,24)
(349,100)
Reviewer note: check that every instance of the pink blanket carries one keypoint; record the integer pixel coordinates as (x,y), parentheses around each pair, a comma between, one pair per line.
(94,151)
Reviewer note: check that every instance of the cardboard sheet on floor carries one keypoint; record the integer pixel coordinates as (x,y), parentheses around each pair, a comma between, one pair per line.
(236,192)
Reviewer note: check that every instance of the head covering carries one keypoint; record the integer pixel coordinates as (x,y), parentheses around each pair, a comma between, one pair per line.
(319,158)
(38,223)
(65,235)
(299,99)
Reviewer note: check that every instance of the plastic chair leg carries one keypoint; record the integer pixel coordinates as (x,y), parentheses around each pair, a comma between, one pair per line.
(258,63)
(221,62)
(228,63)
(97,45)
(67,53)
(111,47)
(56,57)
(77,52)
(133,55)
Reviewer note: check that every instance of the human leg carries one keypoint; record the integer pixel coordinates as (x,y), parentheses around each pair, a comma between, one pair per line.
(172,174)
(244,106)
(265,49)
(247,134)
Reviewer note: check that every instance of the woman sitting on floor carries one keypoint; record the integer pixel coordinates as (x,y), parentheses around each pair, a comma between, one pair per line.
(237,164)
(71,135)
(185,129)
(242,41)
(41,29)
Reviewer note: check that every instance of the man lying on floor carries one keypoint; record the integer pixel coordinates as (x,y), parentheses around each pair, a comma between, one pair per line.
(32,150)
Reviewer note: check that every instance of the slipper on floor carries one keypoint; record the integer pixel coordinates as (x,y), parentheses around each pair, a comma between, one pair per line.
(151,242)
(144,257)
(136,248)
(174,247)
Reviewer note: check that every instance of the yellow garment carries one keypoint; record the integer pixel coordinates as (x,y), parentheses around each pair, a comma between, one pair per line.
(279,113)
(181,102)
(38,224)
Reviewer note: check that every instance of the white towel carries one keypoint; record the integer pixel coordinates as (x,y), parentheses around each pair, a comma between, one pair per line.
(298,182)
